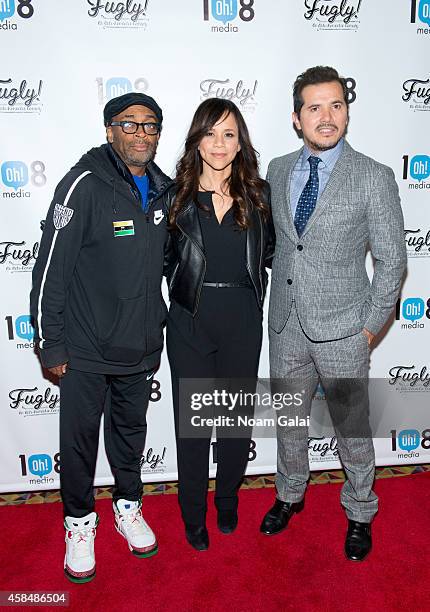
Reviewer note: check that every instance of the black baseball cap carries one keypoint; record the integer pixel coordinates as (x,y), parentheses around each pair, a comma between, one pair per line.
(117,105)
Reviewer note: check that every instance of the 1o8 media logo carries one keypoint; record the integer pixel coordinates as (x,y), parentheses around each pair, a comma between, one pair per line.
(39,465)
(421,9)
(20,327)
(227,11)
(409,440)
(23,9)
(118,86)
(412,310)
(418,169)
(16,174)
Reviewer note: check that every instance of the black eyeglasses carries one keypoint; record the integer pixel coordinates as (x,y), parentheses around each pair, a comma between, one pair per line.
(131,127)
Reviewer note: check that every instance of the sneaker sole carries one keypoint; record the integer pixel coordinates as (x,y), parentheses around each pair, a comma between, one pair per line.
(144,555)
(136,553)
(77,580)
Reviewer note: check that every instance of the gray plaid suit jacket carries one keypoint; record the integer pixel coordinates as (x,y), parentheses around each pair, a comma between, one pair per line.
(324,271)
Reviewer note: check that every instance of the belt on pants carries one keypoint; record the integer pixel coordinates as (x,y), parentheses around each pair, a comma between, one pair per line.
(225,285)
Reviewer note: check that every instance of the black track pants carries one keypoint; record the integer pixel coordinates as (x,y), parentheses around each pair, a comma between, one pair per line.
(83,401)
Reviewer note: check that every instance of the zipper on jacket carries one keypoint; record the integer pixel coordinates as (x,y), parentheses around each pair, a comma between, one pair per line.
(148,206)
(258,294)
(200,288)
(173,277)
(146,258)
(113,183)
(252,281)
(261,257)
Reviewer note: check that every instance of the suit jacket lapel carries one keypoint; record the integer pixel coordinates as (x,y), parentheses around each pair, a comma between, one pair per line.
(335,184)
(287,190)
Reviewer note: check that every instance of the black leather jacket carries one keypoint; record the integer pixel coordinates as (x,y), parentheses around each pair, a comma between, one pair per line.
(185,263)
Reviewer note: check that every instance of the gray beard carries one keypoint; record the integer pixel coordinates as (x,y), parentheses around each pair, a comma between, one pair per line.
(140,162)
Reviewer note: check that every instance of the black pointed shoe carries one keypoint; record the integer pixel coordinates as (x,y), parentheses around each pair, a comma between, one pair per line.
(197,536)
(227,520)
(358,543)
(276,520)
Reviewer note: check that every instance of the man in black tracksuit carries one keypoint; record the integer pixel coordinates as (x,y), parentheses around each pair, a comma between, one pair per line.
(99,316)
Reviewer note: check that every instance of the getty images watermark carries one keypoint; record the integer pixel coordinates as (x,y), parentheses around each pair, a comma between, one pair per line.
(354,407)
(238,406)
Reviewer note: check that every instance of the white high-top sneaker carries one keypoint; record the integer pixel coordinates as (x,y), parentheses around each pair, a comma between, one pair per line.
(130,523)
(80,562)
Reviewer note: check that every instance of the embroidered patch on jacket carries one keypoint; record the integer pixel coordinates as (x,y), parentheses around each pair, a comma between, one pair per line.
(62,216)
(123,228)
(158,216)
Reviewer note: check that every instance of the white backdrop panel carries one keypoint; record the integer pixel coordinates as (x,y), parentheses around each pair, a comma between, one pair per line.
(61,62)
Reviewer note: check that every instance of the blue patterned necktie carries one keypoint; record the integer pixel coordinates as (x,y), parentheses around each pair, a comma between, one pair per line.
(308,197)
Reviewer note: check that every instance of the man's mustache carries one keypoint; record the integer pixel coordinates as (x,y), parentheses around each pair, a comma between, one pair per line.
(327,125)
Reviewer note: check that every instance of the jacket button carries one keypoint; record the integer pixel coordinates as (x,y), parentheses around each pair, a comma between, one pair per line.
(300,247)
(289,281)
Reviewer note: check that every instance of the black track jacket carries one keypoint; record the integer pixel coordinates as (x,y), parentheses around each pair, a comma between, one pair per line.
(96,299)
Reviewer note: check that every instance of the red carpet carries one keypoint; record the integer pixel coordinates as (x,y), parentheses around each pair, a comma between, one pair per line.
(302,569)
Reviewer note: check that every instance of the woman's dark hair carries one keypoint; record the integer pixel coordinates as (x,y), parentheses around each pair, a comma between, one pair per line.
(315,76)
(244,184)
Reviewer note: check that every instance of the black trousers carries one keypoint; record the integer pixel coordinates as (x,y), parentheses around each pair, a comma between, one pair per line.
(83,401)
(222,341)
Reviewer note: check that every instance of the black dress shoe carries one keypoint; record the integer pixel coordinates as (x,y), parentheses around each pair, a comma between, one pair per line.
(197,536)
(276,520)
(358,543)
(227,520)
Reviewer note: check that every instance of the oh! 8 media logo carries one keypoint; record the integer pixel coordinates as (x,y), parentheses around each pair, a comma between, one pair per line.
(410,439)
(22,327)
(118,86)
(413,308)
(39,465)
(227,10)
(423,11)
(418,167)
(24,9)
(15,174)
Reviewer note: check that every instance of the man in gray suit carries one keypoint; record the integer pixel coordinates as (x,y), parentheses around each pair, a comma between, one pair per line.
(329,205)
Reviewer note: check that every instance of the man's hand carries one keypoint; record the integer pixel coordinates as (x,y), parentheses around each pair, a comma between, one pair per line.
(59,370)
(369,336)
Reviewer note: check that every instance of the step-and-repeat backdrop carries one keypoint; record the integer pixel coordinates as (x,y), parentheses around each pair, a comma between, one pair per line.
(61,61)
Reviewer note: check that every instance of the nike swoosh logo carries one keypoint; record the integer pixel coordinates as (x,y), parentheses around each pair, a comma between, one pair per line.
(149,376)
(158,220)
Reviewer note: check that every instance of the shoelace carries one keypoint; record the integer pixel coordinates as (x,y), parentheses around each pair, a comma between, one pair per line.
(81,541)
(134,523)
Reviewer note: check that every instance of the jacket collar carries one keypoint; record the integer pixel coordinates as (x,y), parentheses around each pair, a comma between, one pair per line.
(158,181)
(188,221)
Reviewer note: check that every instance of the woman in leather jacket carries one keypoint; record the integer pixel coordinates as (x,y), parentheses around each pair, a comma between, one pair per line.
(221,239)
